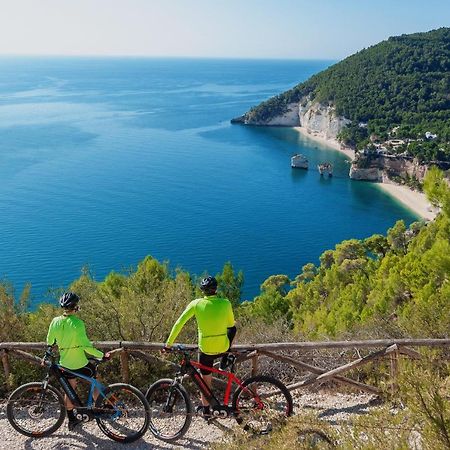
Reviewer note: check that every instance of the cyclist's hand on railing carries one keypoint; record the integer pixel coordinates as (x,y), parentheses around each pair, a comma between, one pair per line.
(166,349)
(48,355)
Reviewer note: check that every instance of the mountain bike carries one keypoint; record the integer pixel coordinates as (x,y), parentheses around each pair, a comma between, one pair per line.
(258,403)
(37,409)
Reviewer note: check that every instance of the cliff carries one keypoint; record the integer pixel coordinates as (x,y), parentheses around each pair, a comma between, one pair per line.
(375,167)
(314,117)
(321,119)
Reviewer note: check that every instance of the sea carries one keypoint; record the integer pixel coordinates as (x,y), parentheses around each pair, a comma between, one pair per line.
(106,160)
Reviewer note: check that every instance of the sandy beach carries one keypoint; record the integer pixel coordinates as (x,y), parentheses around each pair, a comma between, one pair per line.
(415,201)
(335,145)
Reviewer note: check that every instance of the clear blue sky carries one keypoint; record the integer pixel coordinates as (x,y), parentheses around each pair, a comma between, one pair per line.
(323,29)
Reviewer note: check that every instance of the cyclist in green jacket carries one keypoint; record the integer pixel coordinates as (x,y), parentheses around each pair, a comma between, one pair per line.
(69,333)
(216,329)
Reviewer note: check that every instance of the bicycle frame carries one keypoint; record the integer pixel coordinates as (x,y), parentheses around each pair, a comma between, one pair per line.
(192,366)
(58,371)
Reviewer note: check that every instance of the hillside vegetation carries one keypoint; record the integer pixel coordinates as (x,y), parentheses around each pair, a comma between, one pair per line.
(401,82)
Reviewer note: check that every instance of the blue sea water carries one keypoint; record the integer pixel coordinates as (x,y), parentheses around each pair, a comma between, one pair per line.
(106,160)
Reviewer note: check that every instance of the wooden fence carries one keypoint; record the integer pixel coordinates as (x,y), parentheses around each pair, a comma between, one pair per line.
(380,349)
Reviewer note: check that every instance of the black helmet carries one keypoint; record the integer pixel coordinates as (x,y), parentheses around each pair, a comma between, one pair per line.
(68,300)
(208,284)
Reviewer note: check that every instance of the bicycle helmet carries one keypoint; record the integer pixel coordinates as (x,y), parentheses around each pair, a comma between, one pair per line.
(208,284)
(68,300)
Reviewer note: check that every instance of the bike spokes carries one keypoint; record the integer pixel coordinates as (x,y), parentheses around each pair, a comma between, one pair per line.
(122,414)
(35,411)
(170,409)
(262,404)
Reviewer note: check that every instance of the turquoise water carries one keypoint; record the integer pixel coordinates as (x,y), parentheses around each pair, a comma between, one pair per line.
(104,161)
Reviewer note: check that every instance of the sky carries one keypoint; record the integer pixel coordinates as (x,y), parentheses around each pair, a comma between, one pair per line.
(300,29)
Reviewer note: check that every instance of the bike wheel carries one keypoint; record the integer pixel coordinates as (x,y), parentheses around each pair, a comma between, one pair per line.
(35,411)
(261,403)
(122,413)
(171,410)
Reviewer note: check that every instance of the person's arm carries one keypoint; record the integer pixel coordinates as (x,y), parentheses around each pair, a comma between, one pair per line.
(231,326)
(179,324)
(86,344)
(230,317)
(51,339)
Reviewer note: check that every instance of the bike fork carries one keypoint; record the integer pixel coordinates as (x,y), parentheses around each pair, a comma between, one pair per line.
(168,407)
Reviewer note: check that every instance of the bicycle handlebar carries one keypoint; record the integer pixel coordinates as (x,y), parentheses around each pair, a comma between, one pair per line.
(183,349)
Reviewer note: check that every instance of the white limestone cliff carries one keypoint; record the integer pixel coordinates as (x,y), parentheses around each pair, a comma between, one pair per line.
(321,119)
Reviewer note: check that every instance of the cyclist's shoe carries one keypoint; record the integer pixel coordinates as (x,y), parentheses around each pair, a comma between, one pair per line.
(74,424)
(203,411)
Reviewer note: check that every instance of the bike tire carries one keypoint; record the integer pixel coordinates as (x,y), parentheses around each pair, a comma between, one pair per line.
(130,413)
(30,395)
(157,397)
(254,405)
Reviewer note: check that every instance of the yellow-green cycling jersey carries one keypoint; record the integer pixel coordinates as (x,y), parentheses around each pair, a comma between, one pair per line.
(69,333)
(214,316)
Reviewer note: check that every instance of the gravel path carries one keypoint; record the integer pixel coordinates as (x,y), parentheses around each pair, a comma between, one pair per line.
(332,407)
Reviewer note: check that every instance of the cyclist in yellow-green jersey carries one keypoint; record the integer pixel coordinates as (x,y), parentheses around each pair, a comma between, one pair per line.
(69,333)
(216,329)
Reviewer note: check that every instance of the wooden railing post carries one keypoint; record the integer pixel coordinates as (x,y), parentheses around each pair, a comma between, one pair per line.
(125,366)
(6,367)
(255,364)
(394,372)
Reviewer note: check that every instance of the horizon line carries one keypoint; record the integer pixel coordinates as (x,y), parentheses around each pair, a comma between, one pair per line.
(143,56)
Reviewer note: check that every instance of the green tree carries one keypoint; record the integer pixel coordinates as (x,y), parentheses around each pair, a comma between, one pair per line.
(230,284)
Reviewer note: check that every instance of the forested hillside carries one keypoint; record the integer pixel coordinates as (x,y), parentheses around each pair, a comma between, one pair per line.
(401,82)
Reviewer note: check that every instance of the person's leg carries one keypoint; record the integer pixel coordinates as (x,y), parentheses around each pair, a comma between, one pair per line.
(91,371)
(208,381)
(69,405)
(73,421)
(208,361)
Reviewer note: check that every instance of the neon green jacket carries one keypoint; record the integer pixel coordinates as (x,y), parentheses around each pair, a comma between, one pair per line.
(69,333)
(214,315)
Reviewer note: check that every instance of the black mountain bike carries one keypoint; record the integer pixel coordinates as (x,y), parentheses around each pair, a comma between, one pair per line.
(37,409)
(257,404)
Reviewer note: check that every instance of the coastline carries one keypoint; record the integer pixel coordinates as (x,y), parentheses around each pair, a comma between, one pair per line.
(413,200)
(335,145)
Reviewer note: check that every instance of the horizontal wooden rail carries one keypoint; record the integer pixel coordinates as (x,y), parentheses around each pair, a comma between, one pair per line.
(277,346)
(390,348)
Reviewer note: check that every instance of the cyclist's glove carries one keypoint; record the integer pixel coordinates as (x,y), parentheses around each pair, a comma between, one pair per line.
(48,355)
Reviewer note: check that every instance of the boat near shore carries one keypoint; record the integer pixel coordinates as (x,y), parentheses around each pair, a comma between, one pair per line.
(299,161)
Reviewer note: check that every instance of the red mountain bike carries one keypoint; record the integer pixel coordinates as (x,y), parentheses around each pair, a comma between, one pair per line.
(257,404)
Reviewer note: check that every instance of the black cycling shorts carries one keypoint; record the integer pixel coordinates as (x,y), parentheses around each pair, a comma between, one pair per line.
(89,370)
(208,361)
